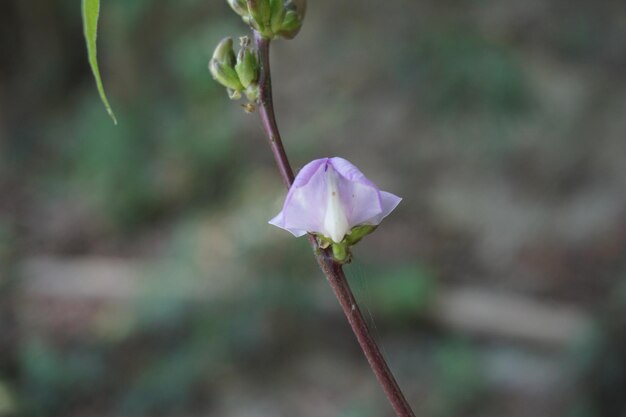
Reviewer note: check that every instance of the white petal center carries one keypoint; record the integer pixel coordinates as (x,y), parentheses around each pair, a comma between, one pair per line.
(335,220)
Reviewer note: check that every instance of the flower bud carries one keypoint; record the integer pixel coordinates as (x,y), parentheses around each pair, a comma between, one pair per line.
(260,12)
(332,199)
(298,6)
(278,14)
(271,18)
(240,7)
(224,52)
(222,65)
(294,17)
(247,66)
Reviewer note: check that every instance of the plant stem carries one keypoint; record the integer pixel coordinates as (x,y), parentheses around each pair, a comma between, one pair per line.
(266,110)
(332,269)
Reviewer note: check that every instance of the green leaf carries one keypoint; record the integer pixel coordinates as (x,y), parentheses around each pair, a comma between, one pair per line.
(91,12)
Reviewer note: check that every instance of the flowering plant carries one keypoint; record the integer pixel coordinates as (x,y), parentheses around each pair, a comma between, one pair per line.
(330,198)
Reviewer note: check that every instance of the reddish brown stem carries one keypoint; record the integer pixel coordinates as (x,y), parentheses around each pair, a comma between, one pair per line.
(332,269)
(266,110)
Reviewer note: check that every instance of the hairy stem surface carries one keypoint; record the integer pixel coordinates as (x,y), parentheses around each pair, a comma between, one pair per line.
(332,269)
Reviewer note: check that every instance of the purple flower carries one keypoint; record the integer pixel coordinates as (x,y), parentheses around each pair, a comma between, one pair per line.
(330,196)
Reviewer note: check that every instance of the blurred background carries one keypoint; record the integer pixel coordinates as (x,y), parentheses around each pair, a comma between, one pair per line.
(139,276)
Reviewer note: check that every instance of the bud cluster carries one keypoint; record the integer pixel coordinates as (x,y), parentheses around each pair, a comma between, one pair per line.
(268,18)
(238,73)
(272,18)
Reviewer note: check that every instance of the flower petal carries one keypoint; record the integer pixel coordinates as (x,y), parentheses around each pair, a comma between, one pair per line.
(307,171)
(301,180)
(389,202)
(304,206)
(360,201)
(360,195)
(347,170)
(279,221)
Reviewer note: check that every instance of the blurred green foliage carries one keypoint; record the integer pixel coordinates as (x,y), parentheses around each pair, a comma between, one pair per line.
(7,400)
(458,380)
(457,71)
(396,292)
(173,144)
(54,379)
(176,167)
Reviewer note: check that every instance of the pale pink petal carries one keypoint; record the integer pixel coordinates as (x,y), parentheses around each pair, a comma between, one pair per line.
(306,172)
(303,209)
(300,211)
(347,170)
(279,221)
(389,202)
(360,201)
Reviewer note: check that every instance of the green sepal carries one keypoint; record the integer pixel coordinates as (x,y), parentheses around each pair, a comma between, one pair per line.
(247,67)
(322,241)
(358,233)
(225,75)
(341,253)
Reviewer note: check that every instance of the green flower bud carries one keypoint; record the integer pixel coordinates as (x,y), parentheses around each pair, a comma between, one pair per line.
(294,17)
(240,7)
(271,18)
(298,6)
(247,66)
(224,52)
(278,14)
(222,65)
(260,12)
